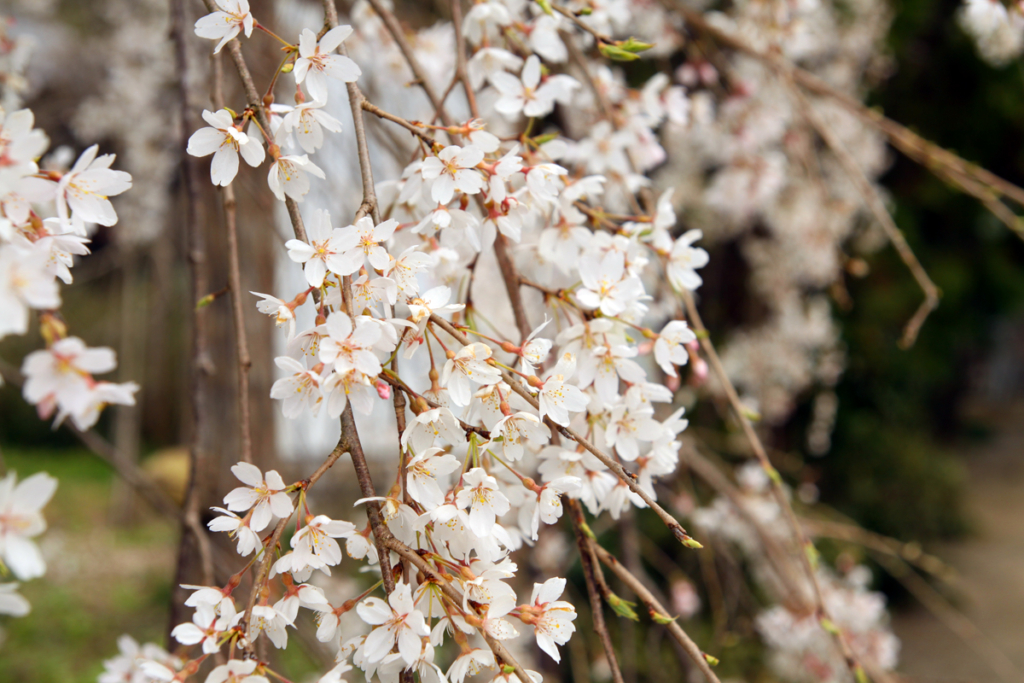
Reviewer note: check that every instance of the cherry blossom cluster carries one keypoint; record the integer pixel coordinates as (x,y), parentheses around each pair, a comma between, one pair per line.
(997,29)
(483,465)
(47,217)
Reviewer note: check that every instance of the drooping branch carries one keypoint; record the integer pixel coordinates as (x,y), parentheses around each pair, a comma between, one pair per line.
(944,163)
(871,198)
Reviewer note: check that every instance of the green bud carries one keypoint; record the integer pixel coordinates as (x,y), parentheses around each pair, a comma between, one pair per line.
(547,137)
(634,45)
(587,531)
(287,68)
(713,661)
(508,669)
(858,672)
(773,474)
(546,6)
(812,554)
(692,543)
(617,54)
(751,414)
(205,301)
(585,12)
(827,624)
(660,618)
(623,608)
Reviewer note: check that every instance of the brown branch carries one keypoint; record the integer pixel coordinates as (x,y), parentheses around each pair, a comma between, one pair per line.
(235,284)
(656,609)
(408,125)
(873,201)
(460,60)
(587,561)
(600,37)
(512,283)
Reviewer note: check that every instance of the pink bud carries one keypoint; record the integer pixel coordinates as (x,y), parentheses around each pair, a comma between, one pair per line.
(699,372)
(383,389)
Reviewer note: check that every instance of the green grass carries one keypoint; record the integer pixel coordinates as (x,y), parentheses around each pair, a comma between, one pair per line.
(102,580)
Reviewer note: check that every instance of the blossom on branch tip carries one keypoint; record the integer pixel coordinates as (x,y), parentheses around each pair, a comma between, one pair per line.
(453,170)
(225,142)
(21,519)
(329,249)
(480,493)
(83,192)
(232,18)
(397,621)
(264,494)
(288,176)
(315,61)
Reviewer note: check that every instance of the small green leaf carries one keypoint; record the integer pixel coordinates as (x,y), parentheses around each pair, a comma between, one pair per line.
(623,608)
(546,6)
(713,661)
(634,45)
(547,137)
(660,618)
(812,555)
(617,54)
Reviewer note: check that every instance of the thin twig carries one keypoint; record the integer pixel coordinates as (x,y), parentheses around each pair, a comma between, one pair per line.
(656,609)
(408,125)
(596,608)
(200,362)
(871,198)
(460,59)
(235,284)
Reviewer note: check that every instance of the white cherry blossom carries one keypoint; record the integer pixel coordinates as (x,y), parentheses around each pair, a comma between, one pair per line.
(670,349)
(422,473)
(83,192)
(329,249)
(21,520)
(468,365)
(265,494)
(315,62)
(288,176)
(684,260)
(225,142)
(453,170)
(298,391)
(550,617)
(232,18)
(486,502)
(397,621)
